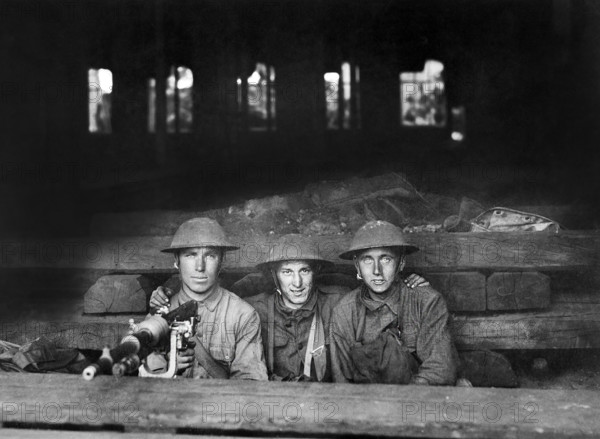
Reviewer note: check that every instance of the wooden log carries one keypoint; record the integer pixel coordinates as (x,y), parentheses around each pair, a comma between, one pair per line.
(462,291)
(118,293)
(246,408)
(439,252)
(517,290)
(562,326)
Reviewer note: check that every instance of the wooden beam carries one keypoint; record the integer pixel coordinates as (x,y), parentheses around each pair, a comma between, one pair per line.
(462,291)
(516,290)
(563,326)
(439,252)
(244,408)
(26,433)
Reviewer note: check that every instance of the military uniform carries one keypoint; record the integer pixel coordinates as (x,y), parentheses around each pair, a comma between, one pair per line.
(291,328)
(396,336)
(229,329)
(408,329)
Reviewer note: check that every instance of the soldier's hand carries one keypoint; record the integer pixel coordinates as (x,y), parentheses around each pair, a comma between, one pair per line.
(414,280)
(185,359)
(160,299)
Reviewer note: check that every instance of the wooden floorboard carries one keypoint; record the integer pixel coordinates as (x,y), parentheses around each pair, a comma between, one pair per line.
(237,408)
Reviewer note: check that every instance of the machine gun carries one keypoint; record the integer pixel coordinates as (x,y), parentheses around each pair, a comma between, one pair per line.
(178,325)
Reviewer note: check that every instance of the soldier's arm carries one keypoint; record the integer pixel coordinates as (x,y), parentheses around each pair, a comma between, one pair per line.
(339,331)
(249,360)
(435,347)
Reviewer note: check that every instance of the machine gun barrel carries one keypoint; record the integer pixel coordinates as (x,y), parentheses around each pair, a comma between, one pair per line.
(138,345)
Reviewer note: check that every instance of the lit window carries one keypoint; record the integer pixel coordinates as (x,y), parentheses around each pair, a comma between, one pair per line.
(100,84)
(423,97)
(152,105)
(342,92)
(261,98)
(458,123)
(179,101)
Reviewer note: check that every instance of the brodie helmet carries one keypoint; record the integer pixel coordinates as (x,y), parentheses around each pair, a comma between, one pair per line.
(376,234)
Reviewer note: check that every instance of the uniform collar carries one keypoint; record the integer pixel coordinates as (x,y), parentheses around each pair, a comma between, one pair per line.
(308,307)
(373,304)
(211,301)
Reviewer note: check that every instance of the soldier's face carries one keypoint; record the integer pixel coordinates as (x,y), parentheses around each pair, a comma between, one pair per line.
(378,268)
(295,282)
(199,269)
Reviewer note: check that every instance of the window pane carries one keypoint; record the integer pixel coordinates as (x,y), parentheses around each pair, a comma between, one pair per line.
(272,98)
(346,95)
(239,94)
(458,123)
(422,96)
(185,83)
(257,99)
(332,81)
(100,84)
(170,92)
(151,105)
(357,95)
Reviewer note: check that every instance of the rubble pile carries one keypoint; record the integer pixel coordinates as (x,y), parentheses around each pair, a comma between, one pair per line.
(341,207)
(322,209)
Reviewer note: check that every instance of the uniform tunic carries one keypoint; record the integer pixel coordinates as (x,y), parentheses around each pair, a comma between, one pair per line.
(229,329)
(291,332)
(423,324)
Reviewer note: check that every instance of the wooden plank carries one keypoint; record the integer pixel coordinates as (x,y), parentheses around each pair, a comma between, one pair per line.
(439,252)
(26,433)
(247,408)
(462,291)
(517,290)
(296,409)
(564,326)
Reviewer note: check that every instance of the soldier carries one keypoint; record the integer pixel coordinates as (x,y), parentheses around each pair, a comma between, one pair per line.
(384,332)
(228,340)
(295,317)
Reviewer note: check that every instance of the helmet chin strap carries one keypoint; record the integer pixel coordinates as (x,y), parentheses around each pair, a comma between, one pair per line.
(317,269)
(400,268)
(276,281)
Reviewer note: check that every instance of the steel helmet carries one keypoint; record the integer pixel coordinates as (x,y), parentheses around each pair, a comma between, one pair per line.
(378,234)
(293,247)
(199,232)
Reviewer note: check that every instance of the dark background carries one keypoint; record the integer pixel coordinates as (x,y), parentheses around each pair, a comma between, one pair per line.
(528,74)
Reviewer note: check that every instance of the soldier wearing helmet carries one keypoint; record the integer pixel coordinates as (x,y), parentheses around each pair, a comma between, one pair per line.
(295,319)
(228,334)
(384,332)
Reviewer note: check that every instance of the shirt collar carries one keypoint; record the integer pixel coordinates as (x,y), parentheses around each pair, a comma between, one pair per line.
(210,302)
(308,307)
(391,300)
